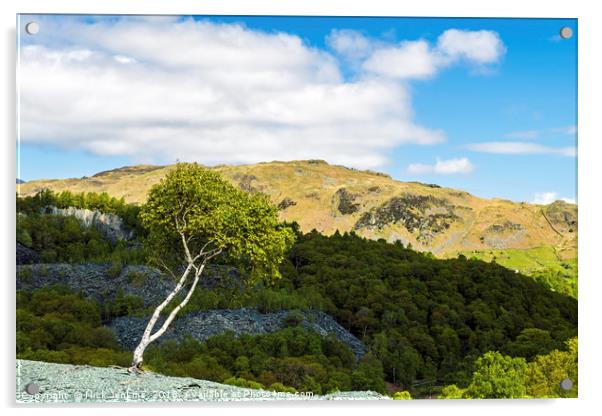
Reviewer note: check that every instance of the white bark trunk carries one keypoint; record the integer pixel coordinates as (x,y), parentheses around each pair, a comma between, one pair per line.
(147,338)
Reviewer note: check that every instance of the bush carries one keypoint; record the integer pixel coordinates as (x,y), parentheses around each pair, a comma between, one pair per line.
(498,376)
(402,395)
(25,274)
(137,278)
(452,392)
(279,387)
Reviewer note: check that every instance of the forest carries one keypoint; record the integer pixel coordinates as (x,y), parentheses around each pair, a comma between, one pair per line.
(431,326)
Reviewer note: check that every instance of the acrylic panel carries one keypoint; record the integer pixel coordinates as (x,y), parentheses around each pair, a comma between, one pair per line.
(223,208)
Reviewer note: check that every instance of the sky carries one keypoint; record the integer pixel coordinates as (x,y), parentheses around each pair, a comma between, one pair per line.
(483,105)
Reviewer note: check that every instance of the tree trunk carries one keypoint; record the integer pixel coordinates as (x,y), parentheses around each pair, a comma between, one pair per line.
(147,338)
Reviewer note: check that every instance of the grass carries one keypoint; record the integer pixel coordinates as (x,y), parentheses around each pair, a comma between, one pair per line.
(527,261)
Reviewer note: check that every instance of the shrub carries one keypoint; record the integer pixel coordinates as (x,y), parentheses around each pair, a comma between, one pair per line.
(137,278)
(402,395)
(25,274)
(279,387)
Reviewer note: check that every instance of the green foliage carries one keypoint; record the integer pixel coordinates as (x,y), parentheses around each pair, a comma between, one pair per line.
(289,360)
(531,342)
(102,202)
(25,274)
(426,318)
(541,263)
(123,305)
(369,375)
(64,239)
(452,392)
(402,395)
(55,319)
(137,278)
(498,376)
(198,205)
(547,371)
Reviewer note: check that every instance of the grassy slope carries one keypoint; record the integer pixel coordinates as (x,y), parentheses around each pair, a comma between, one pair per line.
(520,235)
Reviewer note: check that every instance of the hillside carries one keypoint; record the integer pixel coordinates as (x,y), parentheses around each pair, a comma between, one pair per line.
(62,383)
(329,198)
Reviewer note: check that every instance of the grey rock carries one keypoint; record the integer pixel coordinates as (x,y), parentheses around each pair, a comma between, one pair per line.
(26,255)
(111,226)
(64,383)
(204,324)
(93,280)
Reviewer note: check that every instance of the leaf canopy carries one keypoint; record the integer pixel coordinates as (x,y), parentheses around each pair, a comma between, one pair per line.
(199,206)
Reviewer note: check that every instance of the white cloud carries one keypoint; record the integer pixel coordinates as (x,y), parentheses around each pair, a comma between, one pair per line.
(157,90)
(412,59)
(419,60)
(534,134)
(525,134)
(481,47)
(349,43)
(520,148)
(545,198)
(443,167)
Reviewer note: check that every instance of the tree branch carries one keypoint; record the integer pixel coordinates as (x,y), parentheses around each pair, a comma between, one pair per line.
(177,309)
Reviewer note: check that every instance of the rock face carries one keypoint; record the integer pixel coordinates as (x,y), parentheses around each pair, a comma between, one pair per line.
(110,225)
(205,324)
(345,202)
(26,255)
(424,216)
(64,383)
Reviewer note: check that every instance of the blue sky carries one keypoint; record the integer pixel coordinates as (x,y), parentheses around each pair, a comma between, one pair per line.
(484,105)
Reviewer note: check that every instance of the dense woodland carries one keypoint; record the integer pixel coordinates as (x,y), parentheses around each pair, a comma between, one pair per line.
(426,322)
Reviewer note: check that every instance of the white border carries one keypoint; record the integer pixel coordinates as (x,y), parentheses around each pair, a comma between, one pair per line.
(590,71)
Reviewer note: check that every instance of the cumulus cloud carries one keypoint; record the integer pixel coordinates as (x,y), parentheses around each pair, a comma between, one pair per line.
(443,167)
(419,59)
(481,47)
(520,148)
(545,198)
(161,89)
(349,43)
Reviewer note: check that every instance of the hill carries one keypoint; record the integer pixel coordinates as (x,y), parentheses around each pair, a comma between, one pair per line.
(329,198)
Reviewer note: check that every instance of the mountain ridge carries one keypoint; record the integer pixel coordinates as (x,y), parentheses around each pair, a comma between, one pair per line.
(328,198)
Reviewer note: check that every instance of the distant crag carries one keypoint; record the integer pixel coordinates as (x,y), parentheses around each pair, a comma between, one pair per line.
(111,226)
(422,215)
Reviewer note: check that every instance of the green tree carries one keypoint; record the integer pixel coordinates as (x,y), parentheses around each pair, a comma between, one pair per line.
(531,342)
(369,375)
(545,374)
(452,392)
(192,216)
(498,376)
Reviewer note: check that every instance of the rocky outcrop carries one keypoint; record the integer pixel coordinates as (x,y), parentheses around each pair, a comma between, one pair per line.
(111,226)
(65,383)
(26,255)
(562,216)
(205,324)
(424,215)
(285,203)
(345,202)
